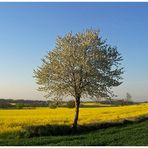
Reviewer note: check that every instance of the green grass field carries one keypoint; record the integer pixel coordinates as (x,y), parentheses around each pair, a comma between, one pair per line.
(135,134)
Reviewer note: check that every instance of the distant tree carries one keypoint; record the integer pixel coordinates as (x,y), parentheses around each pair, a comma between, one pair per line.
(52,105)
(71,104)
(80,65)
(56,102)
(19,105)
(128,97)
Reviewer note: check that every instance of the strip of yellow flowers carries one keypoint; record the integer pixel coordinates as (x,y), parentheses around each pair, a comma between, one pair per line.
(14,120)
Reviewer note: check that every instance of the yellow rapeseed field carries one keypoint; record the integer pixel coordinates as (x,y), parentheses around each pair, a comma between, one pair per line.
(15,120)
(91,104)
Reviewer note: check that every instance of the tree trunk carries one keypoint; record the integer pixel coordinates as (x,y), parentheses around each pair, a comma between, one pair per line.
(77,104)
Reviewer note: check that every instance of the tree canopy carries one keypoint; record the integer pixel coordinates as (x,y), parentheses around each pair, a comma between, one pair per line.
(81,64)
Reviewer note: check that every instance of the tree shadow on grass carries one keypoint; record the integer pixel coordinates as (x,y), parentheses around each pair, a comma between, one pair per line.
(63,130)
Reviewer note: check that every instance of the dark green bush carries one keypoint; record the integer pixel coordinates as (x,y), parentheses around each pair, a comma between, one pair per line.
(71,104)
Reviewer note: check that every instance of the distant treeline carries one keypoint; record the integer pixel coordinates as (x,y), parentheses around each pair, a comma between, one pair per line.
(117,102)
(10,103)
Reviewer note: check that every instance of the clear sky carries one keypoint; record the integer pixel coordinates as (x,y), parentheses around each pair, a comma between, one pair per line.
(29,30)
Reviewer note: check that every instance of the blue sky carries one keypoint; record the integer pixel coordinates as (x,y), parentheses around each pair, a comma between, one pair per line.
(29,30)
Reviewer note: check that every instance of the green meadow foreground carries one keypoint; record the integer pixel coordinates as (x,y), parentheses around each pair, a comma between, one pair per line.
(14,121)
(126,135)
